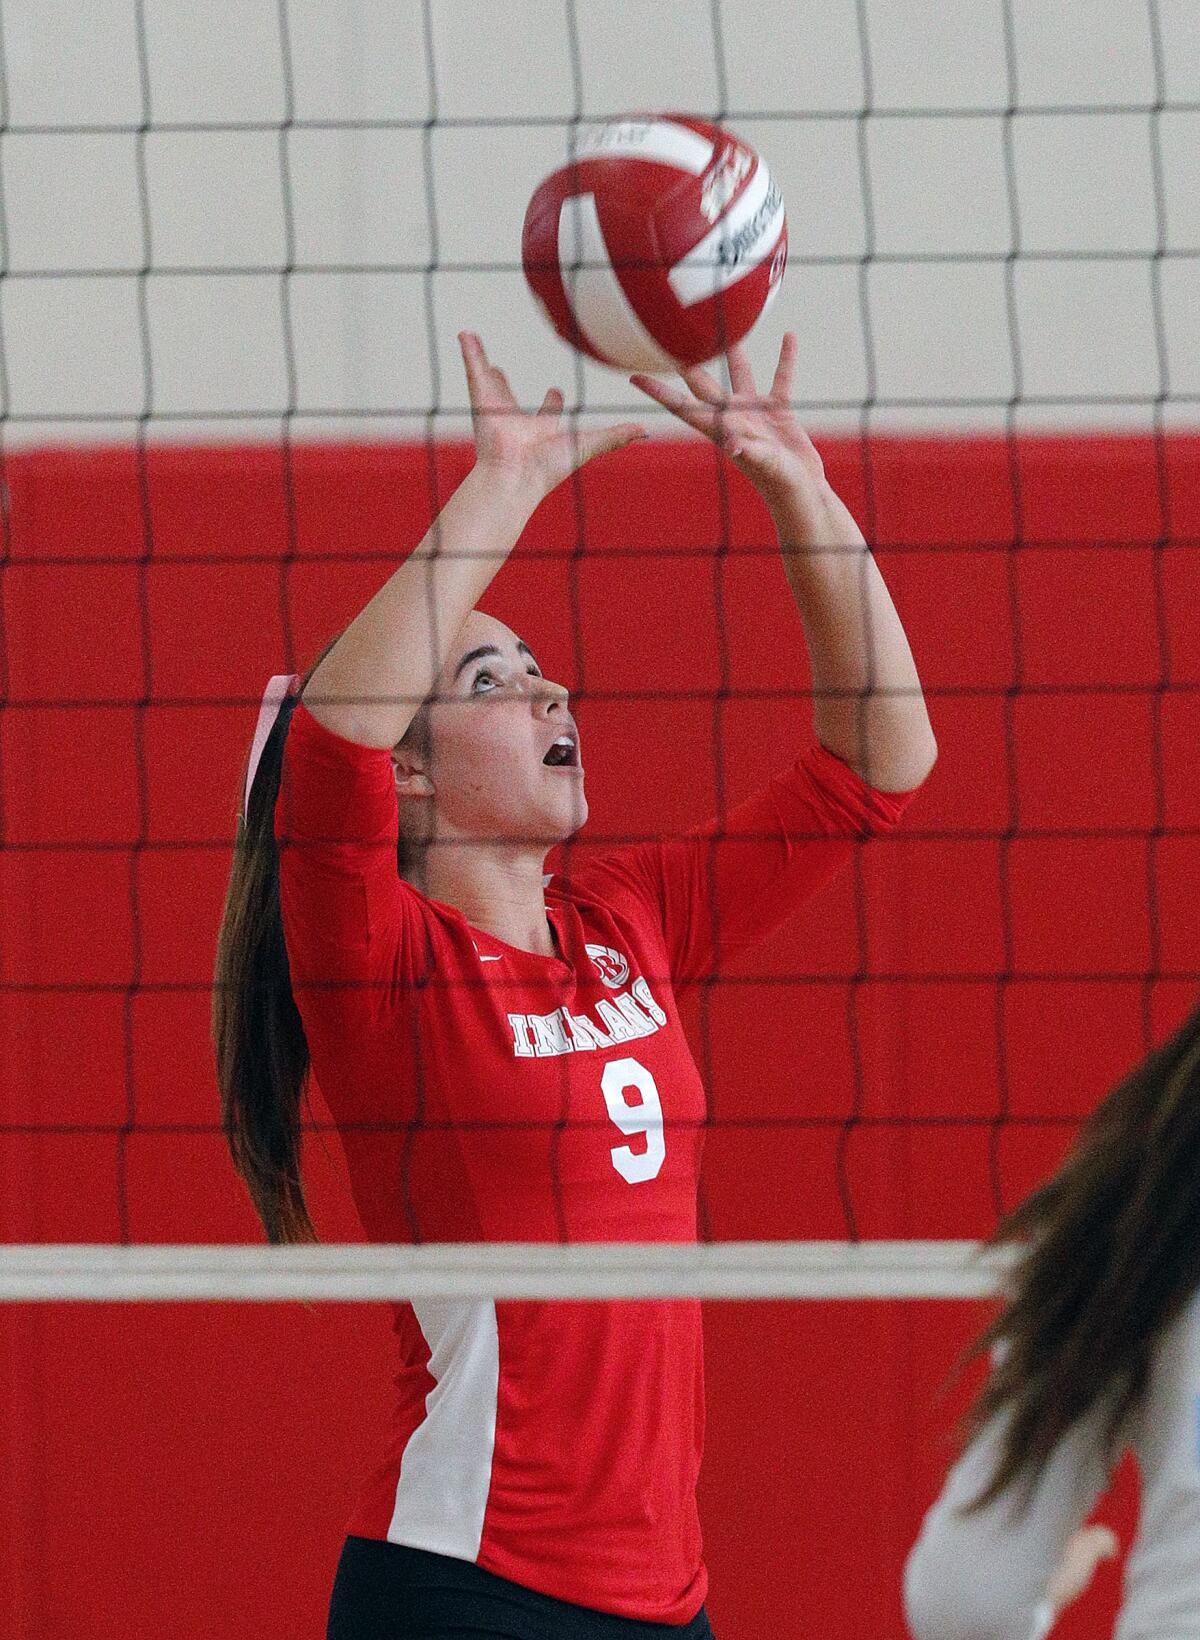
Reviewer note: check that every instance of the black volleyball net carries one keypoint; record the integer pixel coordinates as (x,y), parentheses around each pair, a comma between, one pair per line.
(234,263)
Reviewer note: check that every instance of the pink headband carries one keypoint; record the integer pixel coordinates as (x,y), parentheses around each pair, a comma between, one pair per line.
(277,691)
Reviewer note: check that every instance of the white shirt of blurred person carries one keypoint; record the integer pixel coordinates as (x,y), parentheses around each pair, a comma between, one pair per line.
(1096,1352)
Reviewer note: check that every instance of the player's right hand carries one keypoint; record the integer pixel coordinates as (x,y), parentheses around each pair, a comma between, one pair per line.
(1085,1550)
(530,450)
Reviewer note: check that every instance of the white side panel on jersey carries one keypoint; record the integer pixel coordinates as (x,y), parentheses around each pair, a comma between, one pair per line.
(661,140)
(602,309)
(743,238)
(446,1470)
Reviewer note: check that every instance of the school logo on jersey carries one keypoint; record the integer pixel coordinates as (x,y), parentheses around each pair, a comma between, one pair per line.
(610,965)
(622,1018)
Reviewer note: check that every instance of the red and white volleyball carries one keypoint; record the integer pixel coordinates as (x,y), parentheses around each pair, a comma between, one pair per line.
(661,243)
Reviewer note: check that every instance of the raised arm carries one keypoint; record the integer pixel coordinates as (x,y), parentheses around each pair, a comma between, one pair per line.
(370,685)
(868,708)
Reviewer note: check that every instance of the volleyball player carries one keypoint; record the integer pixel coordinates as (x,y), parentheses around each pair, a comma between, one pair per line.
(1097,1350)
(503,1056)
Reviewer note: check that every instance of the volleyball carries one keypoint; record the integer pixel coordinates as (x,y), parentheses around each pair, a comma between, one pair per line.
(660,244)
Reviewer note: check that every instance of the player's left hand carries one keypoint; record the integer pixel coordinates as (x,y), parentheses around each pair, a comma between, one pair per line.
(760,435)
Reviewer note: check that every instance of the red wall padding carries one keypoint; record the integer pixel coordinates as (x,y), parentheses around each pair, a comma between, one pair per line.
(940,1017)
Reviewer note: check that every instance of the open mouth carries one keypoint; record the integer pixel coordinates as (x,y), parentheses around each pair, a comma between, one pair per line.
(564,754)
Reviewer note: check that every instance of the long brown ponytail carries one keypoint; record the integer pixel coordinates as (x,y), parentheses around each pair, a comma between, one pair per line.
(261,1050)
(258,1037)
(1113,1256)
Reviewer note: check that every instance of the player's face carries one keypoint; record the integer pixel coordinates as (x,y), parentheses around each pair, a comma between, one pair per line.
(493,723)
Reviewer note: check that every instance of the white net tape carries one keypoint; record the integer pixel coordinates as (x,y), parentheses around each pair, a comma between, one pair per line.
(511,1270)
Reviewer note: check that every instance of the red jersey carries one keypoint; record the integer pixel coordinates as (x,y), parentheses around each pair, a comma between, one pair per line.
(484,1093)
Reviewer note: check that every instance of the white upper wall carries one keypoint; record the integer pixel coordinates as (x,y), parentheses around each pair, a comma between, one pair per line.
(910,190)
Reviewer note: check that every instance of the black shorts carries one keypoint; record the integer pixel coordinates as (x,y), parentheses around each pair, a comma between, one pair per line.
(384,1591)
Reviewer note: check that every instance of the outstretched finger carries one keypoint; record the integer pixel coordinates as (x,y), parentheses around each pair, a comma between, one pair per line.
(552,404)
(501,384)
(699,416)
(704,384)
(474,356)
(475,362)
(785,370)
(741,376)
(606,439)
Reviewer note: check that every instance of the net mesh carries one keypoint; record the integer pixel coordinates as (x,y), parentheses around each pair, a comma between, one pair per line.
(917,1050)
(236,242)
